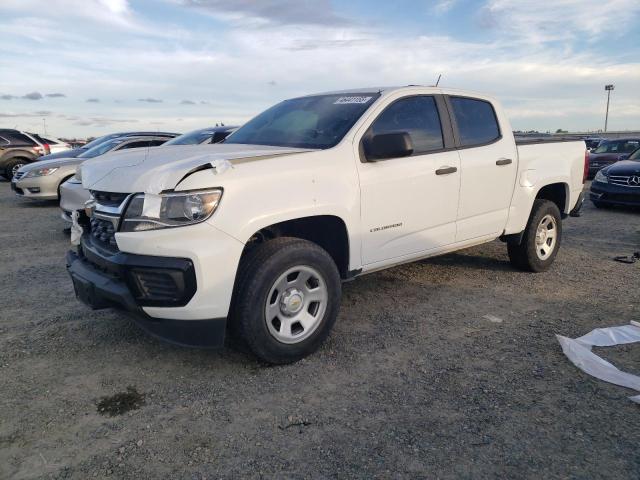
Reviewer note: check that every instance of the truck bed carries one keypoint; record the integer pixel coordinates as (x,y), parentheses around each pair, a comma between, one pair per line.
(553,139)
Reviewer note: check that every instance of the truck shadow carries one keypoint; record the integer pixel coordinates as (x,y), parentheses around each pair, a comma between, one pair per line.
(466,260)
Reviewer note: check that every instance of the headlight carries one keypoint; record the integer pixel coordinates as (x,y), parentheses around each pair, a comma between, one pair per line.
(601,177)
(169,210)
(40,172)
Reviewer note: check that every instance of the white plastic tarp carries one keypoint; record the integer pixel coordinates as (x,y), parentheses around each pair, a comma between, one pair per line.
(578,351)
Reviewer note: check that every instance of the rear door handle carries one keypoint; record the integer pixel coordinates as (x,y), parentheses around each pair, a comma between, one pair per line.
(446,170)
(503,161)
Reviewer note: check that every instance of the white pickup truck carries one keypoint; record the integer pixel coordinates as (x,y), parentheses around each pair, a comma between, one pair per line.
(257,233)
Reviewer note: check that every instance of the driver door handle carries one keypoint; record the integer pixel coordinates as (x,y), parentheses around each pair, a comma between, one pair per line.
(503,161)
(446,170)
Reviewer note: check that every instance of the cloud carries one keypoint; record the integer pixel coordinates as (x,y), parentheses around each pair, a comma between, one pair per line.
(33,96)
(112,12)
(271,12)
(42,113)
(55,95)
(443,6)
(564,21)
(93,100)
(150,100)
(533,59)
(101,121)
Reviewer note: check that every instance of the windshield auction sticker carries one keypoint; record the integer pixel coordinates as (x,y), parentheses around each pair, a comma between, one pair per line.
(348,100)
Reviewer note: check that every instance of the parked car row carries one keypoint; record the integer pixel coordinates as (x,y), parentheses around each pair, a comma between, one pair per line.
(610,151)
(51,177)
(17,148)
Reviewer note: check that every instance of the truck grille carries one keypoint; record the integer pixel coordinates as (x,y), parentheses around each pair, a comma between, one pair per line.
(103,233)
(622,180)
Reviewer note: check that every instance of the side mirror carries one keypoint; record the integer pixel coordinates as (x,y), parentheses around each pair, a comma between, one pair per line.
(388,145)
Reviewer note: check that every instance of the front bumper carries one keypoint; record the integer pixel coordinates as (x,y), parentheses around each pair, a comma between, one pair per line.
(37,188)
(609,194)
(104,280)
(73,196)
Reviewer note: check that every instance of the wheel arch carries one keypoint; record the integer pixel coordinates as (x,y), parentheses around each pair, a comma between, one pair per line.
(558,193)
(21,154)
(328,231)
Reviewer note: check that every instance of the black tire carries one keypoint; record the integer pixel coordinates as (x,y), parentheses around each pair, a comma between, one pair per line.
(259,270)
(598,204)
(525,256)
(11,165)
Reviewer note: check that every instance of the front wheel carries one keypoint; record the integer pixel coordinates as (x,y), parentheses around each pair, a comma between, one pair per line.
(286,300)
(12,167)
(541,239)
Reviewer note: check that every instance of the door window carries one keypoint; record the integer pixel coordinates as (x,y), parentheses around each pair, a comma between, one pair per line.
(476,120)
(418,116)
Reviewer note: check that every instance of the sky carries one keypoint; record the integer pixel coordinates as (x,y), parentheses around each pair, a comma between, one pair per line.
(87,67)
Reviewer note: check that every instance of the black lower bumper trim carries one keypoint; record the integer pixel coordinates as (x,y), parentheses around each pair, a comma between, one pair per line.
(99,289)
(185,333)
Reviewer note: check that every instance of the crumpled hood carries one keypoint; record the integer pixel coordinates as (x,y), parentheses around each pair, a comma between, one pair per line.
(162,168)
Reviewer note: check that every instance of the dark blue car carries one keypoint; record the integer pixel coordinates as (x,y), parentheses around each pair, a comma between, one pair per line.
(618,184)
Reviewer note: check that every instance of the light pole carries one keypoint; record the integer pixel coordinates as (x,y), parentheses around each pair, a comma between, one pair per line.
(608,88)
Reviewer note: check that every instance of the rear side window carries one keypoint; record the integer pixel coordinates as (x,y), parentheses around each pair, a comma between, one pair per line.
(476,120)
(418,116)
(38,138)
(19,140)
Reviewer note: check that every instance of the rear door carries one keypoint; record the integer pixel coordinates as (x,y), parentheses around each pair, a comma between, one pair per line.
(488,160)
(409,204)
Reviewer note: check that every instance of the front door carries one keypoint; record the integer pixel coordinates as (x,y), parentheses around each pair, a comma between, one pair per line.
(409,204)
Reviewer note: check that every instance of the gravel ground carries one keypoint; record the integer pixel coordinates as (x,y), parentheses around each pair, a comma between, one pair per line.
(418,379)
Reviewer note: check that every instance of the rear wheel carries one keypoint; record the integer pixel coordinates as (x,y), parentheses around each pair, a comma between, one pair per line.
(286,299)
(541,239)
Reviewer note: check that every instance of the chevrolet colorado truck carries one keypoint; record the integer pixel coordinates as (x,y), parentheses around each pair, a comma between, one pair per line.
(256,234)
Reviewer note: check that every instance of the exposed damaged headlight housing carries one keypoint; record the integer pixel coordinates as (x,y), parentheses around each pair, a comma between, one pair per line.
(153,212)
(40,172)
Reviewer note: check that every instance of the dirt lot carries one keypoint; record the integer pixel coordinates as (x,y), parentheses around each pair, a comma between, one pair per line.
(415,381)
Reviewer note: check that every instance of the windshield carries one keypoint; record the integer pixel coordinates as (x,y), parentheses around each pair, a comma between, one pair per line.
(102,148)
(308,122)
(617,146)
(635,155)
(192,138)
